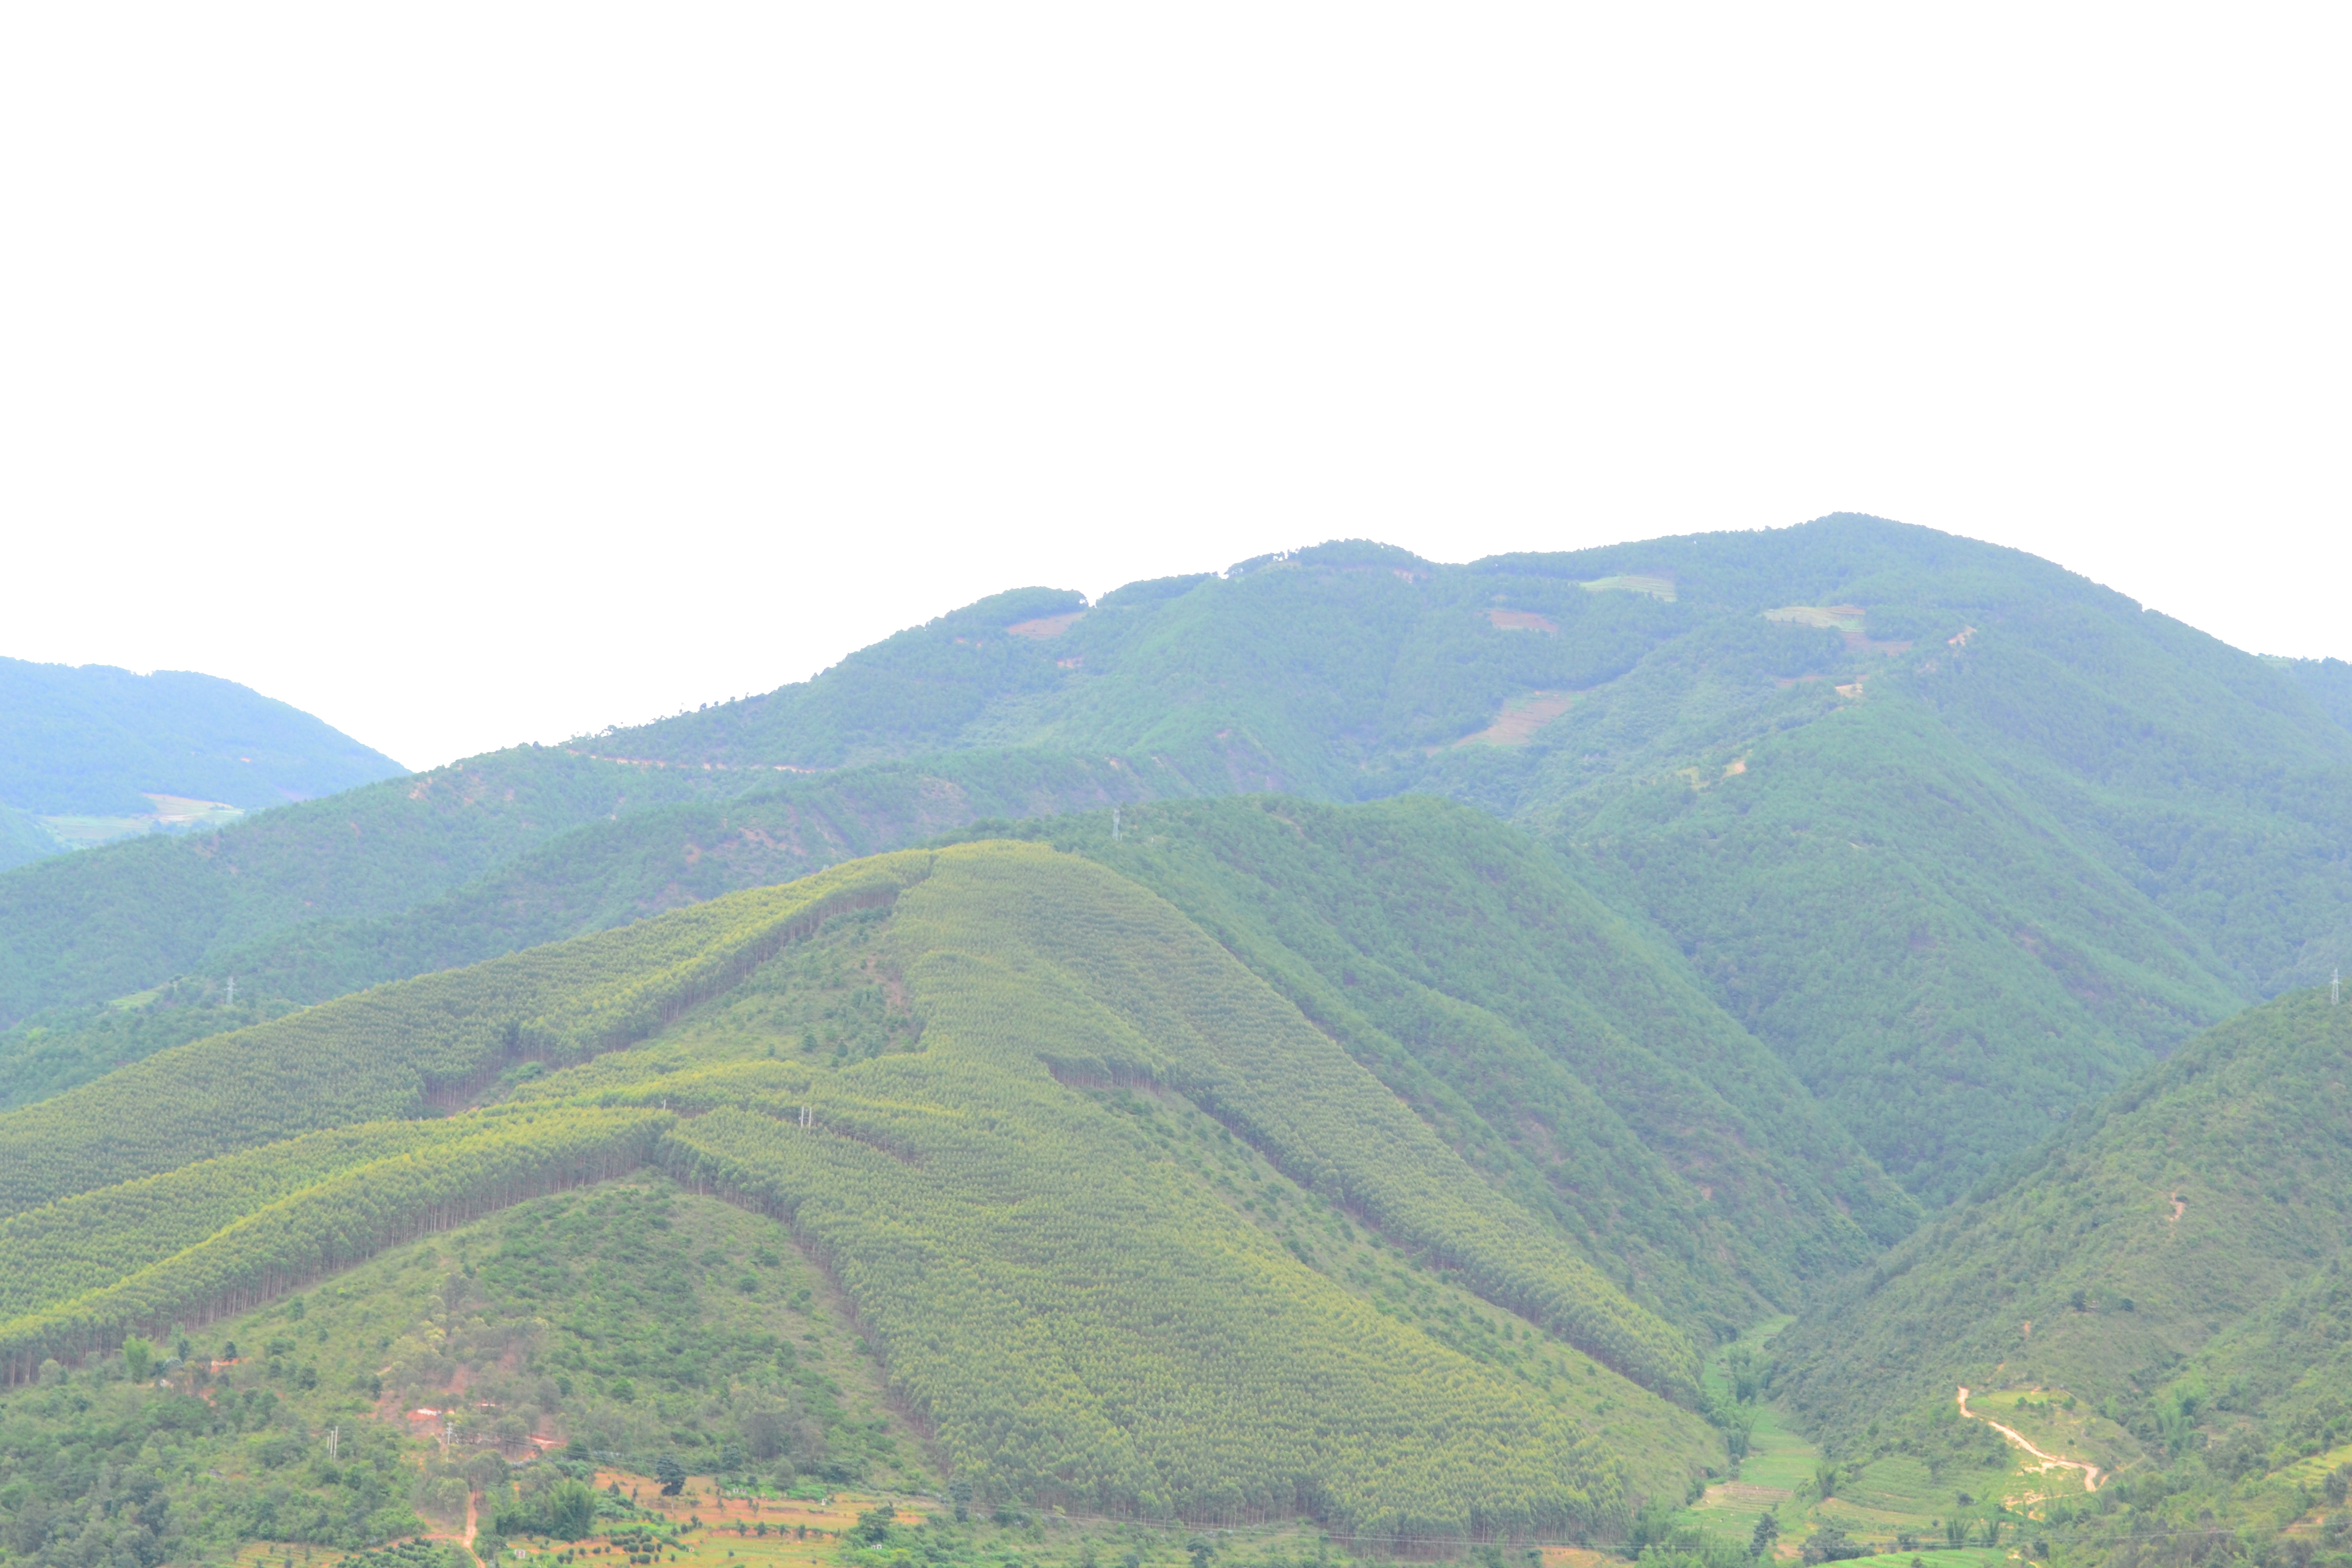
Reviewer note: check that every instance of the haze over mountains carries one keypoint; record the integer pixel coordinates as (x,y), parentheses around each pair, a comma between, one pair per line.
(1851,924)
(95,752)
(1962,837)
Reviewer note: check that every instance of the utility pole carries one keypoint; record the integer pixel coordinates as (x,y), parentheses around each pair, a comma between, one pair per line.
(2336,987)
(232,990)
(1114,825)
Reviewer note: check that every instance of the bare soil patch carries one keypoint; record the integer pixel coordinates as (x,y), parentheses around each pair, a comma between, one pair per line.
(1521,717)
(1523,621)
(1045,626)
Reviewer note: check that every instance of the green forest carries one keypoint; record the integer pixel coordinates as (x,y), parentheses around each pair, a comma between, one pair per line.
(1812,1045)
(81,747)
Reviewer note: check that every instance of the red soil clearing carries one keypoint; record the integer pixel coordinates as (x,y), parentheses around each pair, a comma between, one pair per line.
(1520,719)
(1522,621)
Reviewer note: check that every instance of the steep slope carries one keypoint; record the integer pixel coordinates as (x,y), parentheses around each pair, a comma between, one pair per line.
(1274,1288)
(1944,963)
(2212,1186)
(126,917)
(637,860)
(99,740)
(399,1050)
(1548,1038)
(1961,836)
(23,838)
(1955,831)
(629,1317)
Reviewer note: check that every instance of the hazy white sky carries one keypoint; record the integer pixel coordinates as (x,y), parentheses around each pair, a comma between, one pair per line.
(475,373)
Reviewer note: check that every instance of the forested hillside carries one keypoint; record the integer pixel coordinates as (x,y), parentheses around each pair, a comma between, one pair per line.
(1348,1038)
(970,1082)
(636,1318)
(1555,1043)
(1977,886)
(100,744)
(127,917)
(316,901)
(2174,1263)
(1962,837)
(403,1050)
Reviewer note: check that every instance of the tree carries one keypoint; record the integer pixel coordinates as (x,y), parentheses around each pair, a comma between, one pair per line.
(1829,1543)
(959,1493)
(453,1296)
(1825,1480)
(670,1474)
(2334,1485)
(1768,1530)
(139,1357)
(567,1510)
(873,1526)
(1200,1549)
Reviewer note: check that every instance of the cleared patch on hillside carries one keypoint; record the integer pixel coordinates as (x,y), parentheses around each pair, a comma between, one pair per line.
(1845,619)
(1827,617)
(1521,717)
(634,1316)
(1523,621)
(1633,583)
(1045,626)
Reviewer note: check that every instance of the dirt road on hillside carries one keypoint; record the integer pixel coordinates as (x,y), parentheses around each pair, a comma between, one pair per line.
(2049,1461)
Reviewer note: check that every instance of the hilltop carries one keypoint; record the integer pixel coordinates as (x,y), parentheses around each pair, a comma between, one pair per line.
(1963,838)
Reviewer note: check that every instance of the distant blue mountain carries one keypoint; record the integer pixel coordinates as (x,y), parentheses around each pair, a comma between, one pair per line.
(93,753)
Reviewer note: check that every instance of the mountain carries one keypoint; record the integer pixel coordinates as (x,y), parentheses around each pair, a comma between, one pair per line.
(2172,1263)
(979,1082)
(1965,837)
(1965,840)
(95,752)
(1452,1053)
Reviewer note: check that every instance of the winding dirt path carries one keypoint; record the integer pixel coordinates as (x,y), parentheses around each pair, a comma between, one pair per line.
(2049,1461)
